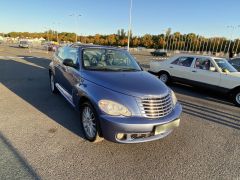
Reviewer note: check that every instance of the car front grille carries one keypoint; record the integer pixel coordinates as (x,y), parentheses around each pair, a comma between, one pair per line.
(156,107)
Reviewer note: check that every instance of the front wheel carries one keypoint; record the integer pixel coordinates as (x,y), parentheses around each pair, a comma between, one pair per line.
(52,84)
(236,98)
(164,77)
(90,123)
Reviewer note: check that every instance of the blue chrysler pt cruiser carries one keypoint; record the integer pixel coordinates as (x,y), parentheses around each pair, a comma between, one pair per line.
(115,98)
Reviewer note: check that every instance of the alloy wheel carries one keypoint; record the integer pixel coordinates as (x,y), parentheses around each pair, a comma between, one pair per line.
(89,122)
(238,98)
(52,83)
(163,78)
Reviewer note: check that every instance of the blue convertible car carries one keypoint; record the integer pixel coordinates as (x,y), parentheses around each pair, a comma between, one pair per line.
(116,99)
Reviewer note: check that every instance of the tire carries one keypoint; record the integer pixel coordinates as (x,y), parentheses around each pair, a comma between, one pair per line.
(236,97)
(90,123)
(164,77)
(53,88)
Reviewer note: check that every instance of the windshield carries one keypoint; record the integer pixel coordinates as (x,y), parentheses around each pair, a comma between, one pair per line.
(23,42)
(225,66)
(109,60)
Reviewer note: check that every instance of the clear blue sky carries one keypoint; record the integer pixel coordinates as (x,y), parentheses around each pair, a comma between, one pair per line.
(205,17)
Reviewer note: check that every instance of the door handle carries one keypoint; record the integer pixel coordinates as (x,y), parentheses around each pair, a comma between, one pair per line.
(170,67)
(194,71)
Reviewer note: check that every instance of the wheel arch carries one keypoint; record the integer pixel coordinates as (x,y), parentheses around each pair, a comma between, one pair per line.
(234,90)
(164,71)
(84,99)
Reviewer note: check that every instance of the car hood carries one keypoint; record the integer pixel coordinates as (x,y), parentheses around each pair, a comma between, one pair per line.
(136,84)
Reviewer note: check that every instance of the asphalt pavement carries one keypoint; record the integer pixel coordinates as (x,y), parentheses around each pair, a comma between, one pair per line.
(40,135)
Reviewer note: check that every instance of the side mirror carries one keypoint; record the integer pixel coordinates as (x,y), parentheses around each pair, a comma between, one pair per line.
(69,62)
(213,69)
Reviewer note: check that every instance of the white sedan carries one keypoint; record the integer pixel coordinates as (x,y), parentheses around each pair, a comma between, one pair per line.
(211,72)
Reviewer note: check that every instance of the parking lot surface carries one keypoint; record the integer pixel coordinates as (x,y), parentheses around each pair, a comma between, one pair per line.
(40,135)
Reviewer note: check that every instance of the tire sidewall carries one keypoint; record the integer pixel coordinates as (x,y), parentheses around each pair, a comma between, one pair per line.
(87,104)
(236,95)
(53,89)
(167,76)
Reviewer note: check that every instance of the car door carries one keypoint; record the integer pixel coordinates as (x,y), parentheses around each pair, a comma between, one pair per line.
(71,74)
(180,69)
(57,62)
(205,73)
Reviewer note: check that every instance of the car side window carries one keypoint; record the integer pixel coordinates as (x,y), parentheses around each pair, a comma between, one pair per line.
(70,53)
(235,61)
(203,63)
(184,61)
(60,53)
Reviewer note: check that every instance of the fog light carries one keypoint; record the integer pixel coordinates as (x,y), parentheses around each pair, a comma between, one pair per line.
(120,136)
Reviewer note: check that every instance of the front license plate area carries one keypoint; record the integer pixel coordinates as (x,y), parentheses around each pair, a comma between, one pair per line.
(165,127)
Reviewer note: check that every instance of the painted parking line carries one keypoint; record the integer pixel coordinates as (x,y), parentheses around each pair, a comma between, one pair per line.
(16,57)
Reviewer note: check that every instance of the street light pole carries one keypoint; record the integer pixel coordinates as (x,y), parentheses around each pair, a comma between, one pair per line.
(237,46)
(130,25)
(47,29)
(232,27)
(76,21)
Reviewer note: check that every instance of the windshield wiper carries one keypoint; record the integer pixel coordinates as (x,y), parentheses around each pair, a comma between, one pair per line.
(101,69)
(128,69)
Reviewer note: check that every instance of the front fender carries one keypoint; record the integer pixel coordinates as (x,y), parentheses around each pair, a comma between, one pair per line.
(95,93)
(51,68)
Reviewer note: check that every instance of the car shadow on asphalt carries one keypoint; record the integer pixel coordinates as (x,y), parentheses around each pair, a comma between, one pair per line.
(13,164)
(201,93)
(212,115)
(217,113)
(31,83)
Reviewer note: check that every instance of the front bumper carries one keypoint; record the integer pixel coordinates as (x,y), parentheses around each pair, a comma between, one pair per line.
(142,128)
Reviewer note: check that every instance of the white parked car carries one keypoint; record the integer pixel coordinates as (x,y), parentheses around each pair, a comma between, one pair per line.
(211,72)
(23,44)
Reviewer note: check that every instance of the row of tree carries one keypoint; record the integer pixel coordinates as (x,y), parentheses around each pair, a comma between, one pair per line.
(168,41)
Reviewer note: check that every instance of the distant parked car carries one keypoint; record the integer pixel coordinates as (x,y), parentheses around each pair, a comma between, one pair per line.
(23,44)
(51,46)
(159,53)
(235,62)
(211,72)
(115,98)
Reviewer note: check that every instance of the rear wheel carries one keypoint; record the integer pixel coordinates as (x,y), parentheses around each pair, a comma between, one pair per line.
(164,77)
(90,123)
(236,97)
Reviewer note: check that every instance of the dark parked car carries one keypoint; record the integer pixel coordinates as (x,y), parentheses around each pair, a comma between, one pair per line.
(115,98)
(159,53)
(23,44)
(235,62)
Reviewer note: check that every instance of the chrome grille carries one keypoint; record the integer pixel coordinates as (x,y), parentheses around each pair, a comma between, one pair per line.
(156,107)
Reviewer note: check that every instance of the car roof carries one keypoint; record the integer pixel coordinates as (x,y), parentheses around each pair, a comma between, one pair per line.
(197,56)
(238,58)
(83,46)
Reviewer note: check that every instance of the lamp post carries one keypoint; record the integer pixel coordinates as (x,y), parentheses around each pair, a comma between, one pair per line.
(231,34)
(130,25)
(237,46)
(56,29)
(47,32)
(186,43)
(76,23)
(164,39)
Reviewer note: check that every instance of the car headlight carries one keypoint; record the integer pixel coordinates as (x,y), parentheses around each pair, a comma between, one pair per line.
(113,108)
(174,98)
